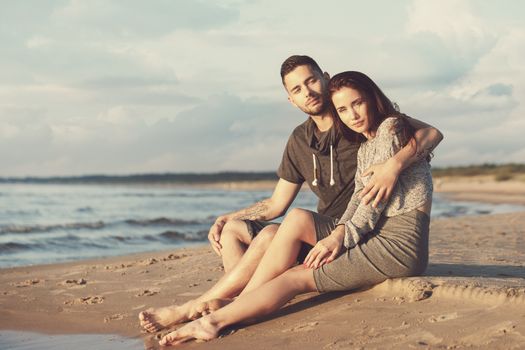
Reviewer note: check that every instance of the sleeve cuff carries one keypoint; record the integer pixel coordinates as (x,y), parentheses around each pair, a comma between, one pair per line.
(351,236)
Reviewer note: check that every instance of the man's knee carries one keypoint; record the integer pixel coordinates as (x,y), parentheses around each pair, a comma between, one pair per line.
(235,230)
(265,236)
(300,214)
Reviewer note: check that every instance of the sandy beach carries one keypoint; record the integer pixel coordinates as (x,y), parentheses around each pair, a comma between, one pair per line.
(472,295)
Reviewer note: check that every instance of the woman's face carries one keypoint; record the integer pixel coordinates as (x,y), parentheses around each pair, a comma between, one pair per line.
(352,109)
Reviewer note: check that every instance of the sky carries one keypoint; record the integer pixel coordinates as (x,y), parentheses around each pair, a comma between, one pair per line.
(127,87)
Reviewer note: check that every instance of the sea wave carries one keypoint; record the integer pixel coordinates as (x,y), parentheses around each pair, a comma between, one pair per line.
(48,228)
(12,247)
(163,221)
(192,195)
(188,237)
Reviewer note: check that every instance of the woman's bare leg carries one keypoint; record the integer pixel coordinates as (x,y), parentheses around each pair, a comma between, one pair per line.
(229,286)
(297,228)
(267,298)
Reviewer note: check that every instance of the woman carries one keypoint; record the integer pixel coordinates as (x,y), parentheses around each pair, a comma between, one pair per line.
(388,241)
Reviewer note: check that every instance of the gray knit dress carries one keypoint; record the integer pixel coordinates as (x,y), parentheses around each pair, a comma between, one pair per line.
(388,241)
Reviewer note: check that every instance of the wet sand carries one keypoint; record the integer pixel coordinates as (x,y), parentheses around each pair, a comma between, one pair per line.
(472,295)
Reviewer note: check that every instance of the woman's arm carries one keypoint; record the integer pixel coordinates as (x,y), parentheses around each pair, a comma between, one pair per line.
(385,174)
(359,217)
(365,216)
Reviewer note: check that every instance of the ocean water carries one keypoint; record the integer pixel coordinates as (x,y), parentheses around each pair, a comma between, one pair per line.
(42,223)
(17,340)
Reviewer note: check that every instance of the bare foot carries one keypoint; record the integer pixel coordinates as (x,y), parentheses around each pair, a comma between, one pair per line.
(201,329)
(208,307)
(154,320)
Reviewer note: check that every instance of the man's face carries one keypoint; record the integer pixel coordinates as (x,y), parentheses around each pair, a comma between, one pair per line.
(307,90)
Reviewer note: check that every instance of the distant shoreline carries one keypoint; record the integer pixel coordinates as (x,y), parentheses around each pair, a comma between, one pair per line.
(240,179)
(168,178)
(479,188)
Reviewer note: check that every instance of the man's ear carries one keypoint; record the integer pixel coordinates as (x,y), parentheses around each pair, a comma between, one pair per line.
(291,101)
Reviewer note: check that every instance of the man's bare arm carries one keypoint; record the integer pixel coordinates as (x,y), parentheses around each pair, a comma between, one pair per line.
(426,139)
(267,209)
(385,175)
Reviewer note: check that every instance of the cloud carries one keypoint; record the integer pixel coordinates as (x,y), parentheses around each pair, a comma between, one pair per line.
(224,132)
(135,17)
(110,82)
(110,86)
(452,21)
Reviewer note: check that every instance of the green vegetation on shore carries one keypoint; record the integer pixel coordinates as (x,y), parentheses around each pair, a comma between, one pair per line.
(500,172)
(168,178)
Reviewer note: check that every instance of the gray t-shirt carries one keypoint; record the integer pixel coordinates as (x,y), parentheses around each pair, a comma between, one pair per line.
(297,165)
(412,190)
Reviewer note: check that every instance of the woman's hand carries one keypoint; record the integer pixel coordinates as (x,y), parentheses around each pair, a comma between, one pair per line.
(326,250)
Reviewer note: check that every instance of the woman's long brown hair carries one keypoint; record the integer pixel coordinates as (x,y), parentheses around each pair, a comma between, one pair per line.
(379,106)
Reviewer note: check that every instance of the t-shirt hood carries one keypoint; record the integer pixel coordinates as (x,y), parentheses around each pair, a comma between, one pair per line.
(320,141)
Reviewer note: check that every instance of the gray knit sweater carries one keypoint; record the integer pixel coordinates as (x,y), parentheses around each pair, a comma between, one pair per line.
(412,190)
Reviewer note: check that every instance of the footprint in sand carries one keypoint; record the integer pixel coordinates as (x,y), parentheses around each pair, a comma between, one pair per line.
(117,267)
(25,283)
(441,318)
(9,292)
(189,294)
(218,268)
(90,300)
(302,327)
(423,338)
(147,293)
(115,317)
(73,282)
(340,344)
(171,257)
(147,262)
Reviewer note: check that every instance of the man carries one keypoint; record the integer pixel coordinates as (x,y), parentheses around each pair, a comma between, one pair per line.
(316,153)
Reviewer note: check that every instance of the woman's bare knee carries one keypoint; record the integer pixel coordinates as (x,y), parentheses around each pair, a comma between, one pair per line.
(299,224)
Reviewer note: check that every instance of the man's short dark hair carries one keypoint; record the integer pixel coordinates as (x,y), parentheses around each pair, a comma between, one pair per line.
(295,61)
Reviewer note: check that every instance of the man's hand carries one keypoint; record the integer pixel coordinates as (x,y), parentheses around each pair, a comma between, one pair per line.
(382,182)
(215,234)
(326,250)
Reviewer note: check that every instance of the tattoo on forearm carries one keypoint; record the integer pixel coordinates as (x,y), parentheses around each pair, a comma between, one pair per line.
(258,211)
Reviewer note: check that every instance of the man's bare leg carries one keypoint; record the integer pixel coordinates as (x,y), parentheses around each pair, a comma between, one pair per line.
(297,228)
(259,302)
(241,263)
(235,240)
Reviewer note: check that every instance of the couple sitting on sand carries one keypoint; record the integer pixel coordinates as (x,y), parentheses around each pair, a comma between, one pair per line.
(367,163)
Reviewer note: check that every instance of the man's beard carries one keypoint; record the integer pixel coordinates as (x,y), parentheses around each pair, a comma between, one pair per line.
(317,109)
